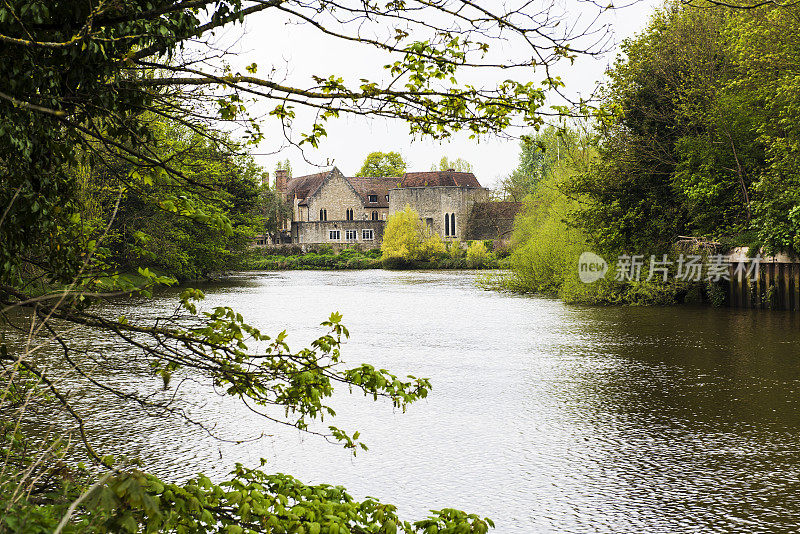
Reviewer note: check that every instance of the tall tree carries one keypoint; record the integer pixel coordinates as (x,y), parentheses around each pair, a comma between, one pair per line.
(382,164)
(458,165)
(658,93)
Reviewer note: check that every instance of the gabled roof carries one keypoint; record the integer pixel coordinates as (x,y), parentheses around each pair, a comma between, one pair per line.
(303,187)
(496,210)
(439,179)
(492,220)
(366,186)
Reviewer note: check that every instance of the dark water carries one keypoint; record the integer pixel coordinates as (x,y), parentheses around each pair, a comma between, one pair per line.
(544,417)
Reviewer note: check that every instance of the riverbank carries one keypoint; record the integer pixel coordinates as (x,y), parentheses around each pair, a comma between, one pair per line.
(325,258)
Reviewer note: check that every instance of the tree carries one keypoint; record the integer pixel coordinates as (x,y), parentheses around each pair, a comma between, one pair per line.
(458,165)
(284,165)
(83,87)
(407,240)
(273,208)
(539,154)
(645,190)
(382,164)
(696,134)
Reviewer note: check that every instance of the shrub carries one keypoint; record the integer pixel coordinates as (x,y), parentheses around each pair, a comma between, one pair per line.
(477,255)
(406,240)
(455,250)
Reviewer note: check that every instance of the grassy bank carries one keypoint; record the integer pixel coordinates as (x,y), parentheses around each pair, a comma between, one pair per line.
(324,258)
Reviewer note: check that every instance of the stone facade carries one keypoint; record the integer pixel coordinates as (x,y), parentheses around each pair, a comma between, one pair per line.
(331,208)
(434,203)
(368,234)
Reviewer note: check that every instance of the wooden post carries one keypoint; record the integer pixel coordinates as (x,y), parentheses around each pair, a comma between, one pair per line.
(796,273)
(769,281)
(785,289)
(757,301)
(747,293)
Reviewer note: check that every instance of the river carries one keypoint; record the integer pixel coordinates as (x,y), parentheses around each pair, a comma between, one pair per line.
(544,417)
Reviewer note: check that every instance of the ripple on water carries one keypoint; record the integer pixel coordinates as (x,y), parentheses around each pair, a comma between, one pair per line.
(545,417)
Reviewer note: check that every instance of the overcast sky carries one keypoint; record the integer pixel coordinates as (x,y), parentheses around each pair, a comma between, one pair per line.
(296,51)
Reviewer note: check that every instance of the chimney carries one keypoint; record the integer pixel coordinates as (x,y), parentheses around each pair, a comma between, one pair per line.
(281,177)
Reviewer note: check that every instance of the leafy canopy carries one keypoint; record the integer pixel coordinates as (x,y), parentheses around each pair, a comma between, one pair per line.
(383,164)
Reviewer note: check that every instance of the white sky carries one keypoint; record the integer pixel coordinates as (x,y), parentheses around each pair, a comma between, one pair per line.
(296,51)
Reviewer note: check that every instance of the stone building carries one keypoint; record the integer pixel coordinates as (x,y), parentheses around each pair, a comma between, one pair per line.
(329,207)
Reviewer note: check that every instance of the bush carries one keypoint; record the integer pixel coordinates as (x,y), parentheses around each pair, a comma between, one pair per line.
(347,259)
(406,241)
(455,250)
(477,255)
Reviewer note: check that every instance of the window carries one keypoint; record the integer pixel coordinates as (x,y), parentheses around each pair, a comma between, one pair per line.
(387,198)
(367,235)
(334,235)
(449,224)
(375,215)
(350,235)
(323,215)
(373,198)
(349,215)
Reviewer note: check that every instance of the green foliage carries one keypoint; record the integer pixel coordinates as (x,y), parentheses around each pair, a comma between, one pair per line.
(458,165)
(455,250)
(539,154)
(698,134)
(383,164)
(407,240)
(187,228)
(345,260)
(546,247)
(478,256)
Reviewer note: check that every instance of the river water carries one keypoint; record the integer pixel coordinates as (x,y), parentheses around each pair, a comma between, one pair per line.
(544,417)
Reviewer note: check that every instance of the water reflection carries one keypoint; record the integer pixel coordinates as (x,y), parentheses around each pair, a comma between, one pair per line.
(545,417)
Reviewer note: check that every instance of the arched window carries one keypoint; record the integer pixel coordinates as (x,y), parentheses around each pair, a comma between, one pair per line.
(375,215)
(323,215)
(452,224)
(349,214)
(447,225)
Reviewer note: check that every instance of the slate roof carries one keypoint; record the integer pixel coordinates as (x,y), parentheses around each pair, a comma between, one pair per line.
(374,186)
(439,179)
(303,187)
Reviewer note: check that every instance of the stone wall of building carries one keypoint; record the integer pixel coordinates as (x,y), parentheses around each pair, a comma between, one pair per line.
(336,196)
(383,213)
(319,232)
(432,203)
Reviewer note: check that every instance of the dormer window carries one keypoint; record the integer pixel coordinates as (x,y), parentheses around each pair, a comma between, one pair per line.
(372,198)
